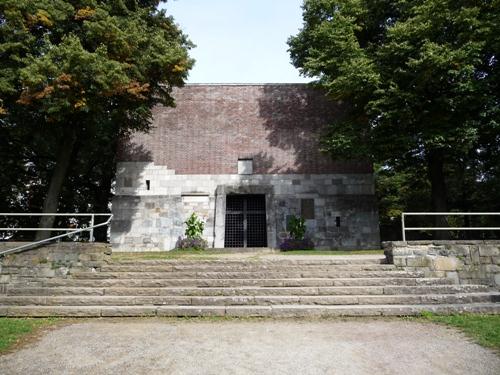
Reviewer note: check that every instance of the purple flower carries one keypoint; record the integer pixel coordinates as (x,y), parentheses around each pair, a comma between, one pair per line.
(191,243)
(294,244)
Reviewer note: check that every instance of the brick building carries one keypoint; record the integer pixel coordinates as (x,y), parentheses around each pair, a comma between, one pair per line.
(244,157)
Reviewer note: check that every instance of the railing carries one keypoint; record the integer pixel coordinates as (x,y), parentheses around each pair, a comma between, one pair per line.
(405,228)
(69,231)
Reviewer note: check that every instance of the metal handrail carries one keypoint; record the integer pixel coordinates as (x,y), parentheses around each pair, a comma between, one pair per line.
(404,228)
(70,231)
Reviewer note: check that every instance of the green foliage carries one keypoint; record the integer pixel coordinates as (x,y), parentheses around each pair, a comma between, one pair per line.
(421,83)
(407,190)
(194,227)
(83,70)
(80,60)
(297,227)
(485,329)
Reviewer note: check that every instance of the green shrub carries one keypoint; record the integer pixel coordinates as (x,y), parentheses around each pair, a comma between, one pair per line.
(297,227)
(194,227)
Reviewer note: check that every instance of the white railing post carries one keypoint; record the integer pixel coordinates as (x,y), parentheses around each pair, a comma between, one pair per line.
(91,233)
(403,226)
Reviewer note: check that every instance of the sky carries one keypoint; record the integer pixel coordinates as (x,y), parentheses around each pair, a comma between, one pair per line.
(239,41)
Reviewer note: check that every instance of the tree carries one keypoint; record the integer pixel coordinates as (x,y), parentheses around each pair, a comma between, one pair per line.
(397,192)
(80,69)
(420,78)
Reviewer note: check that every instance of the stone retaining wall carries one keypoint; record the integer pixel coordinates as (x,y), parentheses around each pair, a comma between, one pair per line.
(466,262)
(55,260)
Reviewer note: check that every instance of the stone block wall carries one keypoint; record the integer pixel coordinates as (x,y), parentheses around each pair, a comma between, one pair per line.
(152,202)
(54,260)
(466,262)
(189,162)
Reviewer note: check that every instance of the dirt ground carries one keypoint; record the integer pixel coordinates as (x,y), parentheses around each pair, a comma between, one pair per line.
(156,346)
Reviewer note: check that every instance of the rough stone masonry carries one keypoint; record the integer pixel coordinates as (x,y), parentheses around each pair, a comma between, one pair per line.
(224,140)
(463,261)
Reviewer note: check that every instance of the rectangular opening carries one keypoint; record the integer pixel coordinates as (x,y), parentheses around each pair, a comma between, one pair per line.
(307,209)
(148,184)
(245,221)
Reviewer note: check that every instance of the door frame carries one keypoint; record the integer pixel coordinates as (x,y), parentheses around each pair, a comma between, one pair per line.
(220,210)
(245,213)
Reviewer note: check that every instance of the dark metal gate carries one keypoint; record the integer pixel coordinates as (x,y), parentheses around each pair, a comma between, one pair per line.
(245,221)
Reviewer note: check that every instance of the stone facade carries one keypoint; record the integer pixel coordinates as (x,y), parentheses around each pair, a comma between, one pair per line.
(153,219)
(466,262)
(189,163)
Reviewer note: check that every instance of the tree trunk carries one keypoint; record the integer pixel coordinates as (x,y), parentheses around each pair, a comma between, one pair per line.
(435,160)
(51,201)
(102,201)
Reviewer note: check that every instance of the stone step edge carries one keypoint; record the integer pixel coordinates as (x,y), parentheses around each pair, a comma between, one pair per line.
(382,290)
(248,266)
(235,283)
(246,311)
(333,260)
(189,279)
(295,282)
(355,299)
(244,275)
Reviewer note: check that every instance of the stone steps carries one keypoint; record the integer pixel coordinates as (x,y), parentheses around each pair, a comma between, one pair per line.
(285,282)
(246,267)
(308,286)
(247,311)
(284,274)
(282,260)
(408,299)
(248,291)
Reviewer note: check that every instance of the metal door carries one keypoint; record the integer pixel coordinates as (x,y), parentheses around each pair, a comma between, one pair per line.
(245,221)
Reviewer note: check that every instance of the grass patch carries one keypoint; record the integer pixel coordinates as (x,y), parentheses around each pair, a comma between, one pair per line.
(484,329)
(333,252)
(223,253)
(14,330)
(159,255)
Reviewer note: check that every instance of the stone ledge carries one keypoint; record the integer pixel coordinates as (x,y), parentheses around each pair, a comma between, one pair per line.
(464,262)
(53,260)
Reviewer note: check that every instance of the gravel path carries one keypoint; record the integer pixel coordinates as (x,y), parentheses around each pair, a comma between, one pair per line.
(157,346)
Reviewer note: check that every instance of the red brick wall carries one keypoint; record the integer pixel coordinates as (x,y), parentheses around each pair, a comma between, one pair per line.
(214,125)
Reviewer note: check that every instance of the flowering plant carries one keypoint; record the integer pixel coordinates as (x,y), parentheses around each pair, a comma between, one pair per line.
(191,243)
(295,244)
(193,233)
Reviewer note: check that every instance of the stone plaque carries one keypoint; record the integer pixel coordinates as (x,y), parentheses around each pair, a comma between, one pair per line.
(307,209)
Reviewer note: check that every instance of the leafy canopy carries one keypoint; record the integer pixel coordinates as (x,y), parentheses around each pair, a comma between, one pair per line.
(419,75)
(87,61)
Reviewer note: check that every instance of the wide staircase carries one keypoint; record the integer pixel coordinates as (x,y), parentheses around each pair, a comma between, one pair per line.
(280,286)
